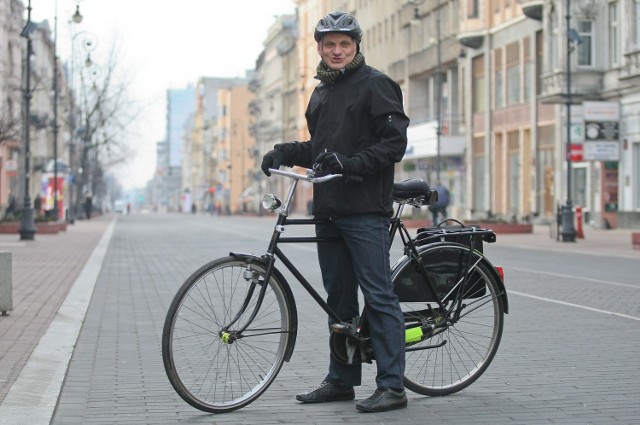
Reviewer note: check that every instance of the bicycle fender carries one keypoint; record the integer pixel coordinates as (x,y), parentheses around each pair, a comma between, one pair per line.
(493,270)
(251,258)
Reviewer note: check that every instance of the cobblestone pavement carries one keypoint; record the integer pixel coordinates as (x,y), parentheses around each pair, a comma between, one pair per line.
(43,272)
(584,369)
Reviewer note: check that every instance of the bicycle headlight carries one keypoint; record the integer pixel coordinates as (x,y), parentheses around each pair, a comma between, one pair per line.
(271,202)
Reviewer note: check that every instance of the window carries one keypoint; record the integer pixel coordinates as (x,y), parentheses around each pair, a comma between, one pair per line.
(553,42)
(585,49)
(539,62)
(472,8)
(614,35)
(513,74)
(479,203)
(478,84)
(637,23)
(499,80)
(526,71)
(635,166)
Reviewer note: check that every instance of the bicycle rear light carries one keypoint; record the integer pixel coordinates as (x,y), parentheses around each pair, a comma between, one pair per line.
(271,202)
(500,271)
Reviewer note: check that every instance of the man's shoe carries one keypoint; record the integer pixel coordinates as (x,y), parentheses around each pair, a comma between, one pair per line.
(327,392)
(383,399)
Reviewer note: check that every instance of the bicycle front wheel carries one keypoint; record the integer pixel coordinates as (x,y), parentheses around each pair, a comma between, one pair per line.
(463,342)
(211,366)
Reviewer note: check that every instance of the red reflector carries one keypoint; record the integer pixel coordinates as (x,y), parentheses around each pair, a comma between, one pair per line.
(500,271)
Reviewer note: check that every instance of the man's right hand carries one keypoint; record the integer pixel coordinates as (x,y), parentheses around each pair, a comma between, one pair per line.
(272,159)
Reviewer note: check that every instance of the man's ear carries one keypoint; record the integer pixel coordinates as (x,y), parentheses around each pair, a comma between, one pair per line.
(319,46)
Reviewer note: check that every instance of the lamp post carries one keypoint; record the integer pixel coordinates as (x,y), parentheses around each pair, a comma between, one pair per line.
(27,224)
(568,227)
(55,114)
(438,91)
(71,217)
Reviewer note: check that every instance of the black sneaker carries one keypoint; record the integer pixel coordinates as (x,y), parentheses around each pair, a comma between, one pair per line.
(383,399)
(327,392)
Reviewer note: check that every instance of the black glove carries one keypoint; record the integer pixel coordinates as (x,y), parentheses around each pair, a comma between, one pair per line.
(333,163)
(272,159)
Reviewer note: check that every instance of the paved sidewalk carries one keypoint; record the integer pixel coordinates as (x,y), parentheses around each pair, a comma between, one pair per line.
(596,241)
(43,272)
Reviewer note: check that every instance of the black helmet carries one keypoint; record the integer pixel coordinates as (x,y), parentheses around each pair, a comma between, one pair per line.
(339,22)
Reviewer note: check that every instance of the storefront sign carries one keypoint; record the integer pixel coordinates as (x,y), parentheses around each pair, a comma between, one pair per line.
(602,151)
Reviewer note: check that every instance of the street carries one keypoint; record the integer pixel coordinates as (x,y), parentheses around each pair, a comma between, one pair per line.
(570,352)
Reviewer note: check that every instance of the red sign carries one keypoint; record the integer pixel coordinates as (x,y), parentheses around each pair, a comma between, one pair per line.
(577,152)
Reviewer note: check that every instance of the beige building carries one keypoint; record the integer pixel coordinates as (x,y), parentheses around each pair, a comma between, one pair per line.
(12,46)
(235,147)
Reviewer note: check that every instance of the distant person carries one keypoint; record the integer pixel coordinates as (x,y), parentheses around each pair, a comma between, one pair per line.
(12,206)
(37,205)
(439,209)
(88,205)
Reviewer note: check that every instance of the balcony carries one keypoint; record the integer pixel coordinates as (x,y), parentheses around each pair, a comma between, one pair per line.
(472,39)
(585,85)
(630,72)
(532,8)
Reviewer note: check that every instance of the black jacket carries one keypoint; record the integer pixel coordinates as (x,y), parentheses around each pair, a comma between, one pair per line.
(360,116)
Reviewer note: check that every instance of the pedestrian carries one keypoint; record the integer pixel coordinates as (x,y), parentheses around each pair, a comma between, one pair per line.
(88,205)
(439,209)
(358,127)
(12,206)
(37,205)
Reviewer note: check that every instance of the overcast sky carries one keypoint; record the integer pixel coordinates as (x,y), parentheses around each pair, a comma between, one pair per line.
(166,44)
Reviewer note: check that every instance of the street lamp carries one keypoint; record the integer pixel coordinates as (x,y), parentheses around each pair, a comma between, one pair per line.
(89,42)
(27,224)
(71,216)
(568,227)
(438,91)
(55,114)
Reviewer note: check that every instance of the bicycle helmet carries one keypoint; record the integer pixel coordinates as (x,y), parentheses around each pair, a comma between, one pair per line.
(340,22)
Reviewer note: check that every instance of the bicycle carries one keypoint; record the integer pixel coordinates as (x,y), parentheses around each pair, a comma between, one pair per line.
(233,323)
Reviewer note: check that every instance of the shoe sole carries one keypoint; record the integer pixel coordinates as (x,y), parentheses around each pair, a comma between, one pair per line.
(387,409)
(345,398)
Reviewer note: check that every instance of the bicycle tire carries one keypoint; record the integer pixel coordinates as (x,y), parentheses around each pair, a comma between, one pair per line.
(461,352)
(212,374)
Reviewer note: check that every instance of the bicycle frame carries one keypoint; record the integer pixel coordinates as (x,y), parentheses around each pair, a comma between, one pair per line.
(273,252)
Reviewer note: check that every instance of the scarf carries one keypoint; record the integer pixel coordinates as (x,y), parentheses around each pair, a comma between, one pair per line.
(330,76)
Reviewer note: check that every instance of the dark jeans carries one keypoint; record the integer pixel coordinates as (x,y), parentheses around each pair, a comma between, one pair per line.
(438,215)
(361,258)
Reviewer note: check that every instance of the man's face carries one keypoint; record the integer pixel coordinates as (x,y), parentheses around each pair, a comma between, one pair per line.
(337,50)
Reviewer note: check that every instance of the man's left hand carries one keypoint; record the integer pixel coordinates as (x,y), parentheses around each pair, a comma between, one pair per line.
(334,163)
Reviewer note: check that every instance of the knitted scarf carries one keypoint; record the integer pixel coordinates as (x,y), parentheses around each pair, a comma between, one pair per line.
(330,76)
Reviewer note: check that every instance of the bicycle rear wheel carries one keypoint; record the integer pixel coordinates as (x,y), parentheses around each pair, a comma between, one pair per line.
(211,367)
(449,358)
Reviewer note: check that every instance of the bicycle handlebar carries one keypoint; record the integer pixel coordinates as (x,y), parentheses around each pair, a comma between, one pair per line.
(310,176)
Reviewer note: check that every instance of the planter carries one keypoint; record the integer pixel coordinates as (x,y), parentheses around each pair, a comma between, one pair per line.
(635,240)
(500,228)
(42,228)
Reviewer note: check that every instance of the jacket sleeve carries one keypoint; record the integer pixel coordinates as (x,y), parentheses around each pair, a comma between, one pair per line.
(389,126)
(297,153)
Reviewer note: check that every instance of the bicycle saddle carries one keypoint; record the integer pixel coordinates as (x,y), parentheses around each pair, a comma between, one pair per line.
(414,188)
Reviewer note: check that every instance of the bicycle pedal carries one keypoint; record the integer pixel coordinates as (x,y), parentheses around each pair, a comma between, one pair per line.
(340,328)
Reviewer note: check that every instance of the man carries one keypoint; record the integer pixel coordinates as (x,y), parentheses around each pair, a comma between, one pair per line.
(358,128)
(439,209)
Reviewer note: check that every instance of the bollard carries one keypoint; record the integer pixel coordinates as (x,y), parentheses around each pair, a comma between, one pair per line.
(579,229)
(6,288)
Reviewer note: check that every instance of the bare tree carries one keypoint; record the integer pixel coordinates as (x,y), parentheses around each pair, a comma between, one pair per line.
(107,114)
(9,126)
